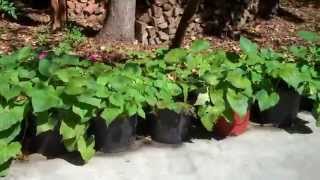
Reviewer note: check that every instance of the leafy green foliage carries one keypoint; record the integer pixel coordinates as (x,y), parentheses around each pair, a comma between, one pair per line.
(7,152)
(16,70)
(247,46)
(72,38)
(8,7)
(309,36)
(67,94)
(265,100)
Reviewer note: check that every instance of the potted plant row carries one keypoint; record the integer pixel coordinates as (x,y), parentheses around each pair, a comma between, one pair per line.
(84,106)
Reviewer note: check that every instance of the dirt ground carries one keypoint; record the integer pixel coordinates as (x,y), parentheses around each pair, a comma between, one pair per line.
(277,32)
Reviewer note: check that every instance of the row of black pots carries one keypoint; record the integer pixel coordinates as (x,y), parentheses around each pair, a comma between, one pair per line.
(167,126)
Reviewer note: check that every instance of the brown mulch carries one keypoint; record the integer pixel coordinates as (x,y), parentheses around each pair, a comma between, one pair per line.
(277,32)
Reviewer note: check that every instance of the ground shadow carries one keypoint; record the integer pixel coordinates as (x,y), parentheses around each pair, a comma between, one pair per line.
(197,131)
(50,145)
(289,16)
(299,127)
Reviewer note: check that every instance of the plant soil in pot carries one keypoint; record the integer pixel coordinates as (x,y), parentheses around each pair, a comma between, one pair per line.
(169,127)
(238,126)
(284,113)
(116,137)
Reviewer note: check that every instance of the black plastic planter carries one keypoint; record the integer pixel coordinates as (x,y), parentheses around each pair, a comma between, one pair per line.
(284,113)
(169,127)
(49,144)
(306,104)
(116,137)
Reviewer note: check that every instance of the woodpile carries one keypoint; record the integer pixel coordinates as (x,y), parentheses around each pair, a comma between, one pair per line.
(87,13)
(158,22)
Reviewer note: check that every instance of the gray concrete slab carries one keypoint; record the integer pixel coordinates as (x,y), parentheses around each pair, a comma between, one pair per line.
(263,153)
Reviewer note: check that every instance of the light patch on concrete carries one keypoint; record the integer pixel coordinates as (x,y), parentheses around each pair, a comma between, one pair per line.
(263,153)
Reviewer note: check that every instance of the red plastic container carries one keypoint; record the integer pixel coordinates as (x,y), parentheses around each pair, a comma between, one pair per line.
(238,126)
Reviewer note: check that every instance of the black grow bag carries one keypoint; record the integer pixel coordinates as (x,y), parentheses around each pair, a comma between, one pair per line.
(169,127)
(306,104)
(284,113)
(117,137)
(49,144)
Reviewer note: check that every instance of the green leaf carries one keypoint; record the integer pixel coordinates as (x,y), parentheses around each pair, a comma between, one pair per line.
(248,46)
(10,134)
(24,53)
(209,115)
(86,148)
(185,90)
(290,74)
(132,69)
(217,97)
(238,102)
(141,112)
(266,101)
(67,130)
(10,117)
(102,92)
(45,122)
(120,82)
(203,99)
(131,108)
(9,92)
(309,36)
(45,99)
(316,112)
(69,73)
(44,67)
(8,151)
(300,52)
(110,114)
(237,80)
(76,86)
(79,111)
(175,56)
(71,127)
(4,168)
(90,100)
(70,144)
(104,78)
(211,79)
(26,73)
(117,100)
(200,45)
(67,60)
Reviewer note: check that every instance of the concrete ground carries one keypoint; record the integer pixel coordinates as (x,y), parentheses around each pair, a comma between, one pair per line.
(263,153)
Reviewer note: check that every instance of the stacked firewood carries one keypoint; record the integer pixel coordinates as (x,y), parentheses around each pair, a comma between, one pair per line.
(158,22)
(87,13)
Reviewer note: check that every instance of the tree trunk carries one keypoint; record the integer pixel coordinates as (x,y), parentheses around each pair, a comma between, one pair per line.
(188,13)
(268,8)
(120,23)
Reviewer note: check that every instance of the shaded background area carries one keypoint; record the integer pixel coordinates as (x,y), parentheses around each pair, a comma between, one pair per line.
(222,26)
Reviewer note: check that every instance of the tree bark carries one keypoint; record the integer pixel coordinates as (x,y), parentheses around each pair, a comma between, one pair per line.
(120,23)
(268,8)
(188,13)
